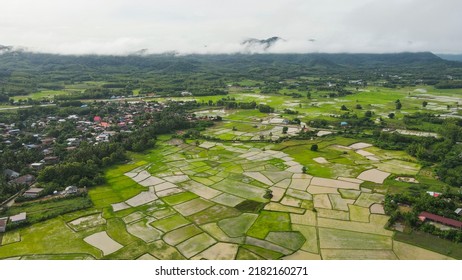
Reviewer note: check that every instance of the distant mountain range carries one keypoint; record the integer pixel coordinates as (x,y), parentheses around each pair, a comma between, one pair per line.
(14,59)
(4,49)
(22,71)
(9,49)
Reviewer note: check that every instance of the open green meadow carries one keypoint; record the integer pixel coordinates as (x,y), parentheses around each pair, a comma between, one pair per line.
(379,100)
(44,94)
(430,242)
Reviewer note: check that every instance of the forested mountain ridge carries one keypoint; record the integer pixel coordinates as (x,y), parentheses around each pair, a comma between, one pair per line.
(451,57)
(20,60)
(23,72)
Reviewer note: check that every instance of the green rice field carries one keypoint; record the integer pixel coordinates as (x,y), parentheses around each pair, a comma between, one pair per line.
(234,196)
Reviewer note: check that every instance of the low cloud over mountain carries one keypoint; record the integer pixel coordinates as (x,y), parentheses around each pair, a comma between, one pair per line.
(259,45)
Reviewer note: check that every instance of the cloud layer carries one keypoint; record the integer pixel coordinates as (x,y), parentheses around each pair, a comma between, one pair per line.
(211,26)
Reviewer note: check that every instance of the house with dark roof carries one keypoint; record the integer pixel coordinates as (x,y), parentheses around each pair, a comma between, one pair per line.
(48,141)
(10,174)
(424,216)
(32,192)
(14,131)
(23,180)
(49,160)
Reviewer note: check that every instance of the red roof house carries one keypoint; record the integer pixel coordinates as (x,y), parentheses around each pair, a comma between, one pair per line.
(434,194)
(440,219)
(105,124)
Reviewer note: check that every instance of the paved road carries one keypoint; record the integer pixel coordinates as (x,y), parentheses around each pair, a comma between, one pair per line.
(22,107)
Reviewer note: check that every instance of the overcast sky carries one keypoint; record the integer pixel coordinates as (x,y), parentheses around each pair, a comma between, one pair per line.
(218,26)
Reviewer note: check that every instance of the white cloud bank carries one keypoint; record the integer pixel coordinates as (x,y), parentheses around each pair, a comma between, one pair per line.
(214,26)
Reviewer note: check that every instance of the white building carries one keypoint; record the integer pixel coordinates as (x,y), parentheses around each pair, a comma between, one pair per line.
(21,217)
(37,165)
(458,211)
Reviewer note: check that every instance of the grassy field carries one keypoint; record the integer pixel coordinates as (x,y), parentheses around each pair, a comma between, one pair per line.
(340,164)
(39,211)
(118,187)
(269,221)
(10,237)
(289,240)
(432,243)
(343,239)
(235,227)
(43,94)
(355,254)
(49,237)
(263,253)
(179,198)
(170,223)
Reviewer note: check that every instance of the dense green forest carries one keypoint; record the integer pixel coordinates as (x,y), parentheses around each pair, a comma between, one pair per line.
(22,73)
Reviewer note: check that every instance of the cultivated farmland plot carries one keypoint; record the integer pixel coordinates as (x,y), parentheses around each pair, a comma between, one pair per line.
(103,242)
(144,231)
(11,237)
(87,222)
(211,203)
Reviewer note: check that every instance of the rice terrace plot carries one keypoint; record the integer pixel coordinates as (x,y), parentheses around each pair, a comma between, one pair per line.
(209,201)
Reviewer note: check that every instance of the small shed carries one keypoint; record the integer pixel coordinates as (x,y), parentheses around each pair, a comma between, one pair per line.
(434,194)
(37,165)
(21,217)
(32,192)
(458,211)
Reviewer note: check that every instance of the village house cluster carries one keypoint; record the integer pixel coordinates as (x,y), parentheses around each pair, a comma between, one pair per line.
(92,128)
